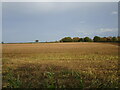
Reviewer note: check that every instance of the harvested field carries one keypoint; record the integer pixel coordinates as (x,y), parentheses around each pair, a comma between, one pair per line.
(60,65)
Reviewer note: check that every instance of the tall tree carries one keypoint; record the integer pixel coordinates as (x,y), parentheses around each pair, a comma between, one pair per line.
(36,41)
(76,39)
(66,39)
(109,39)
(103,39)
(118,38)
(96,39)
(114,39)
(87,39)
(2,42)
(81,40)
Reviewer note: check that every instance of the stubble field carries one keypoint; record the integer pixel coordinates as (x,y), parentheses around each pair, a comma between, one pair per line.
(60,65)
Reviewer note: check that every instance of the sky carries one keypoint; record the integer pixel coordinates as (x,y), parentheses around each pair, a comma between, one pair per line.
(51,21)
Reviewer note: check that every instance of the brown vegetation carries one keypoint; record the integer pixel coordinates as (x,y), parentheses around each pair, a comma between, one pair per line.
(60,65)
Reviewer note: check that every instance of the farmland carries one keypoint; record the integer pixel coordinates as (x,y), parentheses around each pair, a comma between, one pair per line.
(60,65)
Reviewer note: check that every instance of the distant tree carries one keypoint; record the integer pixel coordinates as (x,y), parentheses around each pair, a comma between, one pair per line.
(118,38)
(76,39)
(96,39)
(103,39)
(109,39)
(114,39)
(2,42)
(66,39)
(56,41)
(36,41)
(87,39)
(81,40)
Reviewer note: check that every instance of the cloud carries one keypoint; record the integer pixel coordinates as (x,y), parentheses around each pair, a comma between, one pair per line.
(114,12)
(99,32)
(103,30)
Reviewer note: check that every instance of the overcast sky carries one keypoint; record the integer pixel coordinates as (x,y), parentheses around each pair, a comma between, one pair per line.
(25,21)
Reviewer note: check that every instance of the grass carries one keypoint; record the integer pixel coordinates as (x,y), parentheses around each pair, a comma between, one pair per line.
(60,65)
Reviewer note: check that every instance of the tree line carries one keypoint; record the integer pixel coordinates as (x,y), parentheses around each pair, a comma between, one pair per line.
(88,39)
(85,39)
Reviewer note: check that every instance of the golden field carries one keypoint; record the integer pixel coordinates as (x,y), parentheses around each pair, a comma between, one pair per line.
(60,65)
